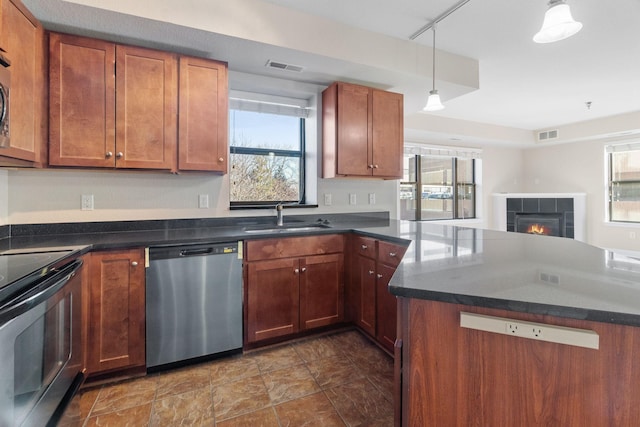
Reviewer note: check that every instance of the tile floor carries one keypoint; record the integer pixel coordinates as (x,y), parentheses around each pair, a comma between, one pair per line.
(333,380)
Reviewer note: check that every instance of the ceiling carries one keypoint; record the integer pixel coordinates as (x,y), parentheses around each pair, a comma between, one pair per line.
(522,85)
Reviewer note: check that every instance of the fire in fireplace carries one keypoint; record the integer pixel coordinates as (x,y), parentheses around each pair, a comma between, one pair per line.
(548,224)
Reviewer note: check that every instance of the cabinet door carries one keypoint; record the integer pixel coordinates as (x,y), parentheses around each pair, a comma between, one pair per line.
(81,101)
(23,40)
(386,308)
(273,298)
(387,135)
(203,119)
(354,119)
(116,337)
(366,284)
(321,291)
(146,85)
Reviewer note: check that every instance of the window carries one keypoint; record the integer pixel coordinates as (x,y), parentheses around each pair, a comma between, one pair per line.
(624,182)
(266,153)
(438,184)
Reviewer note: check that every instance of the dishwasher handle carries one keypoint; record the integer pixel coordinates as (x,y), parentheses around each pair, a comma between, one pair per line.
(193,252)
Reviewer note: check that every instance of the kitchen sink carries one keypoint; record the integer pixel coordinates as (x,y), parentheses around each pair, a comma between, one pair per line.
(286,229)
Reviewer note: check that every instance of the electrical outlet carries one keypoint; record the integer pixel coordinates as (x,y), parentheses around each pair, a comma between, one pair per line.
(372,198)
(203,201)
(632,234)
(531,330)
(86,203)
(352,199)
(327,199)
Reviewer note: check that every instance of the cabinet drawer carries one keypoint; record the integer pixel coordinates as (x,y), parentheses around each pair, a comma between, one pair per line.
(390,253)
(294,247)
(365,246)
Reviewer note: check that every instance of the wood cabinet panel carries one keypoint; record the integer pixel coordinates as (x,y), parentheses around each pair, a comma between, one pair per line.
(386,308)
(387,140)
(116,338)
(366,285)
(272,299)
(146,85)
(365,246)
(81,101)
(294,247)
(390,253)
(460,377)
(23,39)
(362,132)
(321,291)
(354,127)
(203,115)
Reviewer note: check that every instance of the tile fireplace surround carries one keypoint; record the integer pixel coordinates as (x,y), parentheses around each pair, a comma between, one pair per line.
(579,208)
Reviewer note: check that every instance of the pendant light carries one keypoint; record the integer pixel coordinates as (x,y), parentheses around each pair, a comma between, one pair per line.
(558,23)
(433,102)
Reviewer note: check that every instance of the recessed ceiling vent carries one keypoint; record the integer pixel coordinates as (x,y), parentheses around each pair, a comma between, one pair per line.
(548,135)
(283,66)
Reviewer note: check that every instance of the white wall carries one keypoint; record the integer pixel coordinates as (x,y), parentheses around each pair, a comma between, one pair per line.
(579,167)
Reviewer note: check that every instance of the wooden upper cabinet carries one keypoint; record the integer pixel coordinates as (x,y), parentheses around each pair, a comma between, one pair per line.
(362,132)
(203,116)
(111,105)
(146,93)
(22,37)
(81,102)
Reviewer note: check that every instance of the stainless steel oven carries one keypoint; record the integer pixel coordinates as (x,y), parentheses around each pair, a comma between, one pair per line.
(5,86)
(40,346)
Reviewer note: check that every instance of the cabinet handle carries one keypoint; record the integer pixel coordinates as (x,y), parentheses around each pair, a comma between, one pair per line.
(371,271)
(296,271)
(304,269)
(119,155)
(221,159)
(134,263)
(364,247)
(379,276)
(392,254)
(108,155)
(375,166)
(370,166)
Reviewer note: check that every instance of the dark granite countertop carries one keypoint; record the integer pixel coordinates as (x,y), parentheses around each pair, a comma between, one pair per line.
(517,272)
(511,271)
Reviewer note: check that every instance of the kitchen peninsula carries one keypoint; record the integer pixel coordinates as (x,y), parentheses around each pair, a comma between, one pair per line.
(459,373)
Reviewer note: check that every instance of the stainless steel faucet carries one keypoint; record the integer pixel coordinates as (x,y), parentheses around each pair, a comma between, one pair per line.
(279,217)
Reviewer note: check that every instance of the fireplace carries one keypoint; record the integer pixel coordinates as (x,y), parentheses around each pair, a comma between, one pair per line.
(553,214)
(540,223)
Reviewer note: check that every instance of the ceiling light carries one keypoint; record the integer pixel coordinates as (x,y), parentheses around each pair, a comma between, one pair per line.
(558,23)
(433,102)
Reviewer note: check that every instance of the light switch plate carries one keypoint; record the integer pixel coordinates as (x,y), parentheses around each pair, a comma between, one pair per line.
(203,201)
(352,199)
(327,199)
(372,198)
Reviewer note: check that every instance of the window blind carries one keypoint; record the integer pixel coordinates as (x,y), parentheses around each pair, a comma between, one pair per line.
(443,151)
(618,148)
(271,104)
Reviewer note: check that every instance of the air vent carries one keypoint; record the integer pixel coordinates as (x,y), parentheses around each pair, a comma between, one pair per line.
(548,135)
(283,66)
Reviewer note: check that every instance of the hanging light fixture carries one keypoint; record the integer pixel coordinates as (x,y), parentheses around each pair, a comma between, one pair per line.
(558,23)
(433,102)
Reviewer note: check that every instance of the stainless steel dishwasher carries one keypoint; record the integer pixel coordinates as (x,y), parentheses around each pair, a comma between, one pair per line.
(194,302)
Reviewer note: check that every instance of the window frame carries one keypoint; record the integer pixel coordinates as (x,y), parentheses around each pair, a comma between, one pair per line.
(610,151)
(418,183)
(298,154)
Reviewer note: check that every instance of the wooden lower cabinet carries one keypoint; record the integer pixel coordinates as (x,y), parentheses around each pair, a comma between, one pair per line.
(116,311)
(374,263)
(272,299)
(321,291)
(284,296)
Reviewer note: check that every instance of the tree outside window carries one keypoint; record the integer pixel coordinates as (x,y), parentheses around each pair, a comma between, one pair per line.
(267,158)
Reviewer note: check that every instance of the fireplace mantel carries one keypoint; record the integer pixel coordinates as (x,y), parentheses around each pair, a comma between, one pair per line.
(579,209)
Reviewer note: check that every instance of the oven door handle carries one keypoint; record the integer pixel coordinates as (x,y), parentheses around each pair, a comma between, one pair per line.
(40,293)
